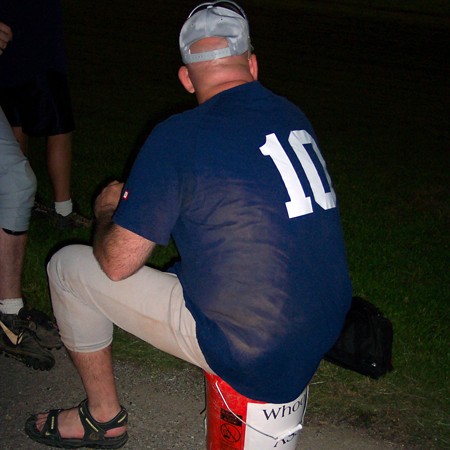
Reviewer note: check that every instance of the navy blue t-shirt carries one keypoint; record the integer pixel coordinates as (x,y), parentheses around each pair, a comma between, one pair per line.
(240,184)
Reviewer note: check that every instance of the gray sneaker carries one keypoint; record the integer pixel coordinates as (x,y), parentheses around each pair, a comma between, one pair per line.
(39,324)
(22,344)
(73,220)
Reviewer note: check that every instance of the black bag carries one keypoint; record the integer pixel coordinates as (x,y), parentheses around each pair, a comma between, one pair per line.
(365,342)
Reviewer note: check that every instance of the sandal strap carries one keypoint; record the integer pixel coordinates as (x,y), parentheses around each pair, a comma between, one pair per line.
(97,430)
(51,424)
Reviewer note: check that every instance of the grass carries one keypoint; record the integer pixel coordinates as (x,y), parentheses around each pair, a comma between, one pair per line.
(376,90)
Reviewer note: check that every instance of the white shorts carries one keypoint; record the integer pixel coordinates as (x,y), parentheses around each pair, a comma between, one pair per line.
(17,181)
(148,304)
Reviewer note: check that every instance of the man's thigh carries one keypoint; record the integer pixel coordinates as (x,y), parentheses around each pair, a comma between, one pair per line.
(149,304)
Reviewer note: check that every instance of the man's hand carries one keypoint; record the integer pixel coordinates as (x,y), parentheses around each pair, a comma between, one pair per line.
(107,201)
(5,36)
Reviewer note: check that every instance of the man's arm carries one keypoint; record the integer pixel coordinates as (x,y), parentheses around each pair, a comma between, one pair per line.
(120,252)
(5,36)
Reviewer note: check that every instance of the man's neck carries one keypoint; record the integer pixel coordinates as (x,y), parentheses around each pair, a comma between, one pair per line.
(205,95)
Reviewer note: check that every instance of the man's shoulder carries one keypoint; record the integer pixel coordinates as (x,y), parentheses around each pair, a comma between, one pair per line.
(179,120)
(177,129)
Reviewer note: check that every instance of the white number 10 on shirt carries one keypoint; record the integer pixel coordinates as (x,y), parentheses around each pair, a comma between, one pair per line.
(300,205)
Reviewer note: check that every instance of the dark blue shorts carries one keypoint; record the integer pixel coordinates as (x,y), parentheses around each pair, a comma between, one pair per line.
(42,106)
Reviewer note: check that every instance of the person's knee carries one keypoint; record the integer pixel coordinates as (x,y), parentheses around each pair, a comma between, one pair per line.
(64,269)
(69,260)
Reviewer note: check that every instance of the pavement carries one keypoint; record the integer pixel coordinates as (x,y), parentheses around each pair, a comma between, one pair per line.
(165,408)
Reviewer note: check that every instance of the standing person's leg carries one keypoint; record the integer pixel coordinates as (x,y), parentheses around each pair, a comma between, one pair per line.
(59,161)
(59,167)
(43,108)
(25,334)
(12,255)
(17,189)
(149,304)
(59,164)
(58,132)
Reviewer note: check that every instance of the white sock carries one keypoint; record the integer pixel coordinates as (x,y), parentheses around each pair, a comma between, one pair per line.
(64,208)
(11,305)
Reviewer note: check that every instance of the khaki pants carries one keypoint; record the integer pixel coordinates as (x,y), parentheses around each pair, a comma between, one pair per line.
(149,305)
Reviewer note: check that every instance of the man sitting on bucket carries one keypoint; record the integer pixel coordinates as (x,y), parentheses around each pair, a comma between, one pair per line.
(262,287)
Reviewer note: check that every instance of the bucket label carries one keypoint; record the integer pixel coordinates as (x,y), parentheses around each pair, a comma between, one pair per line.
(229,417)
(268,419)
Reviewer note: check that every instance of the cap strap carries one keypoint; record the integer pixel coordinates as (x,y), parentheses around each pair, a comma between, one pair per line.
(207,56)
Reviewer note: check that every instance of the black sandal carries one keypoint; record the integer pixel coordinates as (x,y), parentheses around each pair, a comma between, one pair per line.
(94,432)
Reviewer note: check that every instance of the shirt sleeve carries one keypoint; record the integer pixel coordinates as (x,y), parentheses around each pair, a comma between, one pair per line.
(150,201)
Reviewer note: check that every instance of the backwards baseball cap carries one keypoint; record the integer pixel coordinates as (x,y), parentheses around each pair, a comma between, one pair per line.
(215,19)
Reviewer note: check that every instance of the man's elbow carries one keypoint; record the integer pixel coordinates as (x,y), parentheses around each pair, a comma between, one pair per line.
(111,269)
(115,272)
(115,275)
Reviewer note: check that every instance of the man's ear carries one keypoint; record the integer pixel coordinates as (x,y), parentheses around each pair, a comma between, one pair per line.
(253,65)
(185,79)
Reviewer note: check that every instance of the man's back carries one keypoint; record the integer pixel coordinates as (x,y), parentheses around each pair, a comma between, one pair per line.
(255,220)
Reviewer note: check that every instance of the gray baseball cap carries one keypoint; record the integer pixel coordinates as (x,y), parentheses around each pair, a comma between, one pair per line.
(215,19)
